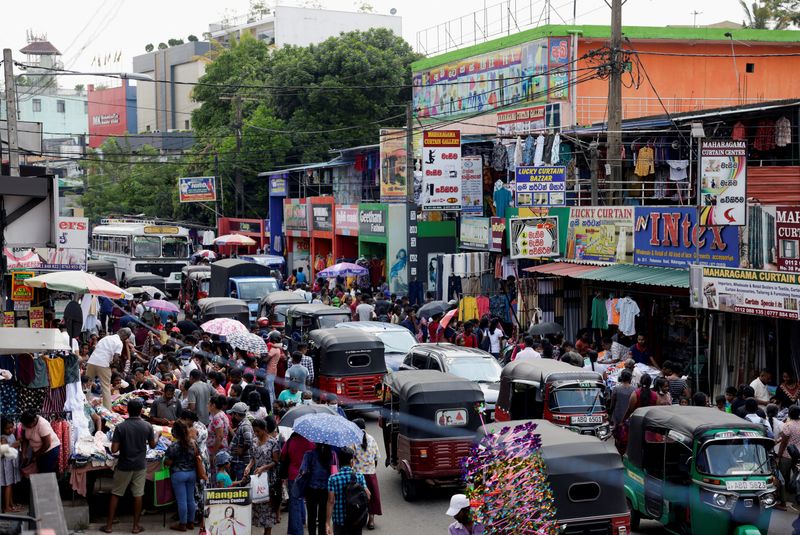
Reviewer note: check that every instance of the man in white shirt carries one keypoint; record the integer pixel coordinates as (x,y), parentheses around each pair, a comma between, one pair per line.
(528,352)
(365,311)
(760,387)
(99,363)
(636,373)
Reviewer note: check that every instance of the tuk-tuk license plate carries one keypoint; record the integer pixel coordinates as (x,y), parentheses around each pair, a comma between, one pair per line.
(746,485)
(586,420)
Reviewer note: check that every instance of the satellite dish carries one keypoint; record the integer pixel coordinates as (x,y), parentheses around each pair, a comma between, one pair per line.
(393,11)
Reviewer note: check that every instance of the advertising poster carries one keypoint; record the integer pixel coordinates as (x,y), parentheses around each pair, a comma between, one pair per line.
(522,121)
(321,217)
(534,237)
(771,294)
(295,218)
(20,292)
(558,79)
(73,233)
(393,165)
(197,189)
(347,219)
(371,222)
(397,249)
(787,234)
(475,233)
(723,176)
(8,319)
(36,317)
(600,234)
(669,236)
(472,185)
(441,170)
(541,186)
(228,511)
(498,231)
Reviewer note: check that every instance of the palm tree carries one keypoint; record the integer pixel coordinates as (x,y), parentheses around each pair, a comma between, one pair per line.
(757,16)
(770,14)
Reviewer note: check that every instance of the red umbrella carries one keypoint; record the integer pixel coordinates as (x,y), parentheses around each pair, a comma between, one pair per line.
(448,317)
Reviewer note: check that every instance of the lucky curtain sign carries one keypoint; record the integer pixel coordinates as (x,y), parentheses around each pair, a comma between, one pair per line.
(472,185)
(197,189)
(534,237)
(723,176)
(600,234)
(393,165)
(541,186)
(441,170)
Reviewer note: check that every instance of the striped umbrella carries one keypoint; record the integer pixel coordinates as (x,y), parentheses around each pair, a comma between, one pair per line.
(234,239)
(78,282)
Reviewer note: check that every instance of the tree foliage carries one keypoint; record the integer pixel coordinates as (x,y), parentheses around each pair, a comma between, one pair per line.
(770,14)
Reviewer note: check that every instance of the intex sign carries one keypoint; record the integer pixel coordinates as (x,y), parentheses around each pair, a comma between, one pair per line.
(371,222)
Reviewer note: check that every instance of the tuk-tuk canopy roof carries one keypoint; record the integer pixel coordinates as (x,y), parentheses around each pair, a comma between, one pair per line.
(422,387)
(282,297)
(314,310)
(142,280)
(99,265)
(199,275)
(188,270)
(334,339)
(539,370)
(222,305)
(691,421)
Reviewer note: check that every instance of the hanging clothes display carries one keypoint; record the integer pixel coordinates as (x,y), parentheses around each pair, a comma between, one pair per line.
(628,311)
(599,313)
(765,135)
(677,169)
(502,198)
(538,152)
(611,310)
(555,150)
(737,133)
(468,309)
(517,153)
(528,151)
(783,132)
(499,157)
(645,162)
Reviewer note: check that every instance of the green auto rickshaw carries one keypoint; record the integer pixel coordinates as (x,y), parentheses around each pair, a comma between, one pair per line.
(699,470)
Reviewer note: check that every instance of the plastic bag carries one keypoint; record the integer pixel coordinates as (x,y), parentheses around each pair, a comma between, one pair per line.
(259,488)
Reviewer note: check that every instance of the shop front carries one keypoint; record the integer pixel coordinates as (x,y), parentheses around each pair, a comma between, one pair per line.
(296,225)
(345,239)
(322,224)
(256,229)
(382,244)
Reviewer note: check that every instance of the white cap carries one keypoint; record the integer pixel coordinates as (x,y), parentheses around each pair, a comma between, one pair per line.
(457,503)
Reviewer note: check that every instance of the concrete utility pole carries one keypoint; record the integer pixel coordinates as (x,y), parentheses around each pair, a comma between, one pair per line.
(237,126)
(11,113)
(615,99)
(410,152)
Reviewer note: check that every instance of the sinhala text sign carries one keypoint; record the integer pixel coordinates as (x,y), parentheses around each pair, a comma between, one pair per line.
(541,186)
(600,234)
(197,189)
(723,176)
(441,170)
(534,237)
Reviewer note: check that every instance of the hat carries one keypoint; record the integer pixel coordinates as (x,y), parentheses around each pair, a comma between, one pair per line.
(238,408)
(223,457)
(457,503)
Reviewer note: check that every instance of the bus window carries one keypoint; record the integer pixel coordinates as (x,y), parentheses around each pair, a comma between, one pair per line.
(175,247)
(146,247)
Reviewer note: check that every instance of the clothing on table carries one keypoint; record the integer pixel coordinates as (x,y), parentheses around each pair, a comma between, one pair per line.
(783,132)
(599,313)
(264,515)
(645,162)
(738,133)
(677,170)
(628,310)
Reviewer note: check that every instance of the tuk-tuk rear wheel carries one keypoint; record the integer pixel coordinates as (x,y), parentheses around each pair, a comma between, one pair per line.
(409,488)
(636,517)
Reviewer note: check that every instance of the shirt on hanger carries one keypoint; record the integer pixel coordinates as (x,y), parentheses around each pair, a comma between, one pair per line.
(599,313)
(783,132)
(611,311)
(628,310)
(502,198)
(677,169)
(644,162)
(738,132)
(538,153)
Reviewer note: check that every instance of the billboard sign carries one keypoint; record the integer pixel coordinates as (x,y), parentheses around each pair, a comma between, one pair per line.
(534,237)
(321,219)
(787,233)
(295,218)
(600,234)
(393,165)
(541,186)
(475,233)
(472,185)
(347,219)
(371,222)
(197,189)
(441,170)
(20,292)
(723,176)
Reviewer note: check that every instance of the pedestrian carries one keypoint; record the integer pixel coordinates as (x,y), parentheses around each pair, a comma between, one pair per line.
(219,426)
(337,486)
(292,396)
(292,456)
(242,440)
(788,392)
(366,464)
(266,455)
(661,388)
(760,387)
(99,363)
(365,311)
(636,373)
(130,440)
(332,400)
(618,406)
(751,414)
(528,352)
(199,394)
(461,511)
(316,469)
(166,408)
(274,355)
(222,461)
(790,435)
(255,409)
(641,353)
(496,337)
(9,468)
(198,433)
(297,373)
(678,388)
(642,397)
(181,458)
(40,444)
(467,338)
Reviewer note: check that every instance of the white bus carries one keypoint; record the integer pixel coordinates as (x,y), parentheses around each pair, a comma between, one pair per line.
(138,247)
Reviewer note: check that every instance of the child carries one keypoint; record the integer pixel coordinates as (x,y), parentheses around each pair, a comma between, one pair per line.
(9,467)
(722,403)
(223,464)
(730,395)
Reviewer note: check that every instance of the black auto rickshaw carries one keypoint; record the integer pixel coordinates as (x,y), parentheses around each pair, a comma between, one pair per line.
(349,364)
(429,420)
(304,318)
(273,306)
(103,269)
(699,470)
(585,474)
(147,280)
(555,391)
(223,307)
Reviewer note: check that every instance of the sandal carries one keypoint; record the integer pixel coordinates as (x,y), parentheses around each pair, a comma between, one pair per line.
(178,527)
(138,529)
(106,530)
(371,526)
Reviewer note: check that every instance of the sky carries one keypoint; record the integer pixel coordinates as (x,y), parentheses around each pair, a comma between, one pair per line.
(118,30)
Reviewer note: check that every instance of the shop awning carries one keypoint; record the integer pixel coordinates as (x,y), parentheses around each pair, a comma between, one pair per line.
(632,274)
(562,269)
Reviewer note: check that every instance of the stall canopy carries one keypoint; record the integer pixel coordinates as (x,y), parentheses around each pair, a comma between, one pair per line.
(633,274)
(562,269)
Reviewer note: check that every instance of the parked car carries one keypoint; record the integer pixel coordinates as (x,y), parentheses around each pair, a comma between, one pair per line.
(397,340)
(465,362)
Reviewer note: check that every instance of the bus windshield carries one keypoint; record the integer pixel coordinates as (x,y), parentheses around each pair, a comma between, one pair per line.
(175,247)
(146,246)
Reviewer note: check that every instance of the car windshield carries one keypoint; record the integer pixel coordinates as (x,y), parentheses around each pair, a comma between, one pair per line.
(576,400)
(146,246)
(332,320)
(734,457)
(480,369)
(280,312)
(396,341)
(255,290)
(175,247)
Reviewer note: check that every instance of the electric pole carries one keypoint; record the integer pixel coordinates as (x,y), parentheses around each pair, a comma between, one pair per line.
(615,99)
(237,126)
(11,113)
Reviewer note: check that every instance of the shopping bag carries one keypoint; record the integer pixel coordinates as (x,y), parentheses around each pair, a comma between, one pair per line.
(164,495)
(259,488)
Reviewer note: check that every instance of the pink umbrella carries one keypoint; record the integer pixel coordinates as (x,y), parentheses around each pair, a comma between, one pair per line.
(224,326)
(234,239)
(161,304)
(447,318)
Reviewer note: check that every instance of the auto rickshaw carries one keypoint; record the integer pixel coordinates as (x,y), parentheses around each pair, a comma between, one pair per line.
(429,420)
(586,477)
(147,280)
(274,306)
(699,470)
(304,318)
(555,391)
(194,286)
(349,364)
(102,268)
(223,307)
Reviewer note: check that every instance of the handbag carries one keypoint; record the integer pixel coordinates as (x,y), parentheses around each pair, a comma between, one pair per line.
(259,488)
(200,467)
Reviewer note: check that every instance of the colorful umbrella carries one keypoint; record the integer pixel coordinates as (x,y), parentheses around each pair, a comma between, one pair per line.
(343,269)
(234,239)
(160,304)
(252,343)
(78,282)
(328,429)
(206,253)
(224,326)
(295,413)
(447,318)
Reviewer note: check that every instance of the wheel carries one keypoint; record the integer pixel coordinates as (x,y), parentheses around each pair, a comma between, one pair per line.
(636,517)
(409,488)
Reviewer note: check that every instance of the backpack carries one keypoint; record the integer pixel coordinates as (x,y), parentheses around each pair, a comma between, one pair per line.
(356,504)
(485,342)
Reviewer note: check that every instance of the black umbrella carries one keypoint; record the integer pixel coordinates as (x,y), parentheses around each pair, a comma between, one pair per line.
(433,308)
(301,410)
(548,327)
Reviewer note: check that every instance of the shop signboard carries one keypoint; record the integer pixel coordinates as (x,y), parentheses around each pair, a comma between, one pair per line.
(472,185)
(498,230)
(321,219)
(522,121)
(534,237)
(20,292)
(277,186)
(36,317)
(295,218)
(197,189)
(371,222)
(773,294)
(787,233)
(413,248)
(8,318)
(558,77)
(441,170)
(475,233)
(541,186)
(723,176)
(669,236)
(347,219)
(246,226)
(600,234)
(393,165)
(63,259)
(73,233)
(228,510)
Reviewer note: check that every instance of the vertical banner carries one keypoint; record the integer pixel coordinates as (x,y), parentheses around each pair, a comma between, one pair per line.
(228,511)
(36,317)
(541,186)
(558,59)
(8,319)
(413,252)
(723,183)
(393,165)
(534,237)
(498,231)
(441,170)
(197,189)
(472,185)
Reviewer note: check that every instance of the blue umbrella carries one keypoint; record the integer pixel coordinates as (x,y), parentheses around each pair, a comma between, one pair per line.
(343,269)
(328,429)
